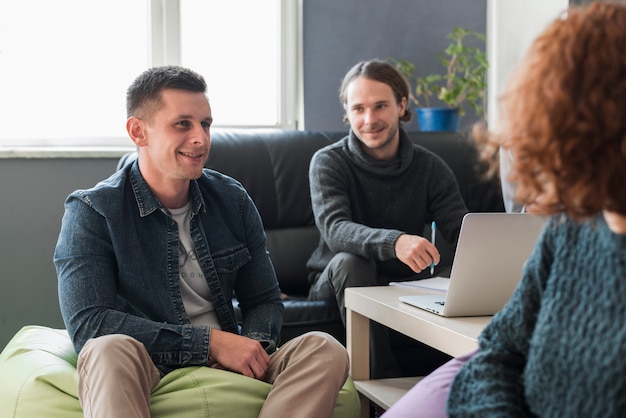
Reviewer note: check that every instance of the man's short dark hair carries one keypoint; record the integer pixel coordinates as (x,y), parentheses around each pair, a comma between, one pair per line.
(146,89)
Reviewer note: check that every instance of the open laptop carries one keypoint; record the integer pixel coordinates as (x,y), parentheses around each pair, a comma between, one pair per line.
(490,254)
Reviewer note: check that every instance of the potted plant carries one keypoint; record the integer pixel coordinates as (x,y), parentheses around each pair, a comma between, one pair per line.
(463,81)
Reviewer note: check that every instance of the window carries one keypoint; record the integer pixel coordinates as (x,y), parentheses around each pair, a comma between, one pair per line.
(65,65)
(207,38)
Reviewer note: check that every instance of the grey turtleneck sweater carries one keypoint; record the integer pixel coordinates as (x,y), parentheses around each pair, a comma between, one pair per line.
(362,205)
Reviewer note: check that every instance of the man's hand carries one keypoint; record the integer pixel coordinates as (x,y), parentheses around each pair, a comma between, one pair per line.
(239,354)
(416,252)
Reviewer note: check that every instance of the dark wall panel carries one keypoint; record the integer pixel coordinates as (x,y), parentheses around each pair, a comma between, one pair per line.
(338,34)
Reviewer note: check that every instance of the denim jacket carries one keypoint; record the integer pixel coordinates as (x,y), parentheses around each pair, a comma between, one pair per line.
(117,265)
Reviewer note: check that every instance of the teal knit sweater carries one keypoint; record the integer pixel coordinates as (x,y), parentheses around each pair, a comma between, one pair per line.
(558,348)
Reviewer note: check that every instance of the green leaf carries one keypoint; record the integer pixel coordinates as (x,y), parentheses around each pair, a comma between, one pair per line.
(462,79)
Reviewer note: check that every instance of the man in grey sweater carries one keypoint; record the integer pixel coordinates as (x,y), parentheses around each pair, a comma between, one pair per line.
(374,190)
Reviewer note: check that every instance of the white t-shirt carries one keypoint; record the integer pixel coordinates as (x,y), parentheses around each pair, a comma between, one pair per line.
(194,289)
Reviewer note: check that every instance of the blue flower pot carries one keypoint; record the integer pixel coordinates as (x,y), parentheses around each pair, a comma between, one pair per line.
(437,119)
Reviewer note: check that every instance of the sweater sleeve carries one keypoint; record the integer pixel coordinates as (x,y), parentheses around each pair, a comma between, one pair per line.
(491,383)
(331,207)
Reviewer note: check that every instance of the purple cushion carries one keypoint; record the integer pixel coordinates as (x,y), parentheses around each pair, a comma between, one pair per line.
(429,396)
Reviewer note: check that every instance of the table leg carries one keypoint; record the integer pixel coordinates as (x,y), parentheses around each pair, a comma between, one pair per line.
(358,345)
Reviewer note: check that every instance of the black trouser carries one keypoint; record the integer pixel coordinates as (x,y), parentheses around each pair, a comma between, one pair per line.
(388,349)
(349,270)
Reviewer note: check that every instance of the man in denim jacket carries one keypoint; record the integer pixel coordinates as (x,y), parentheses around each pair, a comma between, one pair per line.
(148,260)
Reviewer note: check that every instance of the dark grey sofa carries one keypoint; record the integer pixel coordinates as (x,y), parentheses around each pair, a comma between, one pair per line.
(273,166)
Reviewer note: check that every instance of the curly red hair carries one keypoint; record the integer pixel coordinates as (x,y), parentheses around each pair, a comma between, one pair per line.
(563,115)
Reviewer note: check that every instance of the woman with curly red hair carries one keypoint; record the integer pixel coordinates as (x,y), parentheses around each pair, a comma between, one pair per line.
(558,348)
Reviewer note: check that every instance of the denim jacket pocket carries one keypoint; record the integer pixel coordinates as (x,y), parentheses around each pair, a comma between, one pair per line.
(231,260)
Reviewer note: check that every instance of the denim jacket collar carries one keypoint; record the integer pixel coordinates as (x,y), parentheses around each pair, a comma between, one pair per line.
(147,201)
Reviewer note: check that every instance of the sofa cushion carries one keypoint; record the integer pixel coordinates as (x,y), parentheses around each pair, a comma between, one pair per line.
(289,249)
(39,379)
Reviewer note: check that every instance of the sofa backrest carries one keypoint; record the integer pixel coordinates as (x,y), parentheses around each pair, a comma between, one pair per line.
(273,166)
(458,151)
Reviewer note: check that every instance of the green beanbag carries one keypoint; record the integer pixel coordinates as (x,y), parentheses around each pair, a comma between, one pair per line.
(38,378)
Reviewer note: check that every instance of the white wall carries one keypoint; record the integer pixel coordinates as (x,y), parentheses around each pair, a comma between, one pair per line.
(511,27)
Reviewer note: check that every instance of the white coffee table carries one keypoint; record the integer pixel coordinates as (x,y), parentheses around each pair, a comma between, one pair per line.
(453,336)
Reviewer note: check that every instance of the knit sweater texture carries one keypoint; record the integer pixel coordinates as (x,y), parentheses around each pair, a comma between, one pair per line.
(362,205)
(558,348)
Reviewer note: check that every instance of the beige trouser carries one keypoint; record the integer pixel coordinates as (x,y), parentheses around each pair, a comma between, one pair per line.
(116,377)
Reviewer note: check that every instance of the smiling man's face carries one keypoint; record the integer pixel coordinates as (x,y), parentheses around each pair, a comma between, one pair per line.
(175,139)
(374,116)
